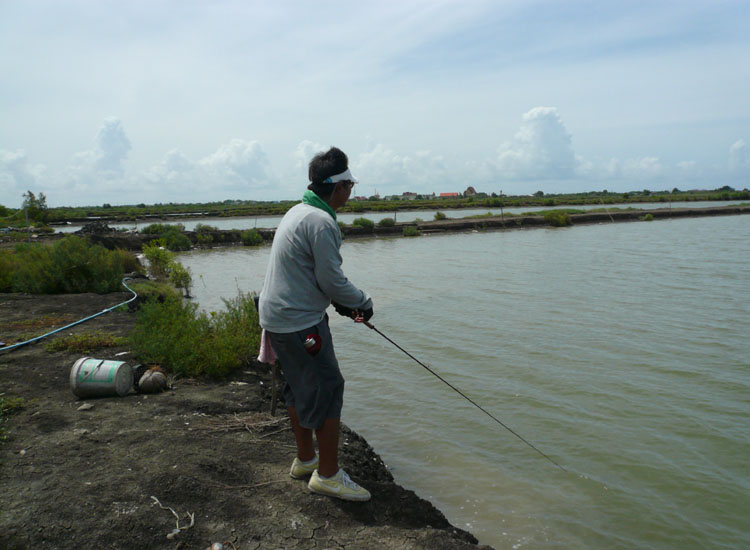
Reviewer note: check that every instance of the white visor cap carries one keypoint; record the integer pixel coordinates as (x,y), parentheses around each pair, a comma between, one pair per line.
(343,176)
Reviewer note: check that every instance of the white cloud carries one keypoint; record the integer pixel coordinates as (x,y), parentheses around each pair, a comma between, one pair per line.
(17,175)
(389,172)
(644,168)
(541,149)
(105,160)
(238,163)
(304,152)
(238,168)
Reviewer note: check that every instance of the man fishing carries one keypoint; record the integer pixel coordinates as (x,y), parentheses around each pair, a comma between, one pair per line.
(303,278)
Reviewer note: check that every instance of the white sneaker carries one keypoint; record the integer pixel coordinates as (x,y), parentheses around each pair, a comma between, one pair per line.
(339,486)
(303,469)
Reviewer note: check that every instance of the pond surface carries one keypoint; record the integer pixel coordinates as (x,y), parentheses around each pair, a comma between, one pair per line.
(620,350)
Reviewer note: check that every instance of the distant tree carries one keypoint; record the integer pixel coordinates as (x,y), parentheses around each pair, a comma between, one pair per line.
(539,194)
(36,207)
(646,192)
(726,188)
(106,205)
(675,190)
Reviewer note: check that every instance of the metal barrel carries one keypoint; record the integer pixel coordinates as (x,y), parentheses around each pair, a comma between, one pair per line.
(91,377)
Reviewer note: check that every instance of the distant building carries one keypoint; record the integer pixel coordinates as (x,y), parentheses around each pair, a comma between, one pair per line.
(449,195)
(409,196)
(470,192)
(360,198)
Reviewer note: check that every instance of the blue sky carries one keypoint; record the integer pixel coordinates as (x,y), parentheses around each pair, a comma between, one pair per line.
(128,102)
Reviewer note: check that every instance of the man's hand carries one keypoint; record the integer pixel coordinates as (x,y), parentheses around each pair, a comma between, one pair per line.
(343,310)
(359,315)
(363,314)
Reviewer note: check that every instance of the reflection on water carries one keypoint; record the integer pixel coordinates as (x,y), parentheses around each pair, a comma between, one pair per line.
(619,350)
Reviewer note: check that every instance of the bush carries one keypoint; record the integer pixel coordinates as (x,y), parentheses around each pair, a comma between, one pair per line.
(364,223)
(251,237)
(440,215)
(648,218)
(161,228)
(203,228)
(158,260)
(181,277)
(176,241)
(175,335)
(153,291)
(71,265)
(387,222)
(558,218)
(411,231)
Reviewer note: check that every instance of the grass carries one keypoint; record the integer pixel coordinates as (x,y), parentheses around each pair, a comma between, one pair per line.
(186,341)
(410,231)
(86,342)
(68,266)
(153,291)
(558,218)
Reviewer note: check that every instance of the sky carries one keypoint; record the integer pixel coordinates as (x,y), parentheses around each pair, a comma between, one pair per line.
(186,101)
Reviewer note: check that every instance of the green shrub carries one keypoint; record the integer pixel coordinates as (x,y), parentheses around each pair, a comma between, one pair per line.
(161,228)
(153,291)
(175,335)
(204,238)
(440,215)
(387,222)
(180,277)
(648,218)
(558,218)
(411,231)
(70,265)
(176,241)
(158,260)
(364,223)
(251,237)
(203,228)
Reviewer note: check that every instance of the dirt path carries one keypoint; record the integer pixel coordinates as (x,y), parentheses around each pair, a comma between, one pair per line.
(72,478)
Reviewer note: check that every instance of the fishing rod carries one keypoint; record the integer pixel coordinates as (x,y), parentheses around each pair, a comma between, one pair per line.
(360,319)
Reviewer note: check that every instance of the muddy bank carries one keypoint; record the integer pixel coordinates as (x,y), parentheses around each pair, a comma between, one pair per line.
(85,477)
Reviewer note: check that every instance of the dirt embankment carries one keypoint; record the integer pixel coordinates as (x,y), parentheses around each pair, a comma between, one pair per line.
(90,477)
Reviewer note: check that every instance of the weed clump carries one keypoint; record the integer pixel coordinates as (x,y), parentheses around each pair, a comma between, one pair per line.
(86,342)
(411,231)
(175,335)
(364,223)
(71,265)
(558,218)
(440,215)
(387,222)
(251,237)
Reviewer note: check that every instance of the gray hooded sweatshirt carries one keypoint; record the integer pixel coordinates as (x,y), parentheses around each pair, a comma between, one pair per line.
(304,272)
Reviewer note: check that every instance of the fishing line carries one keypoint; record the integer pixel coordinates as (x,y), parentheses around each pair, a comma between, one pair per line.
(462,394)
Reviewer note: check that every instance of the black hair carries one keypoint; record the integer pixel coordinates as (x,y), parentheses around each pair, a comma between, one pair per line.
(323,166)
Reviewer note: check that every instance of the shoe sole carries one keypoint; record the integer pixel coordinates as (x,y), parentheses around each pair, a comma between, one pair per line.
(344,496)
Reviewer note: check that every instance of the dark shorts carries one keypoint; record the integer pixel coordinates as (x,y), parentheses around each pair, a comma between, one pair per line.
(314,385)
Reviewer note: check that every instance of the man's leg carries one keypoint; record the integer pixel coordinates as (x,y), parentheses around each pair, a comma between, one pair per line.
(328,446)
(303,437)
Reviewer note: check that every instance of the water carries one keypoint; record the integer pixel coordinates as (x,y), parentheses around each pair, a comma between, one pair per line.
(621,350)
(252,222)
